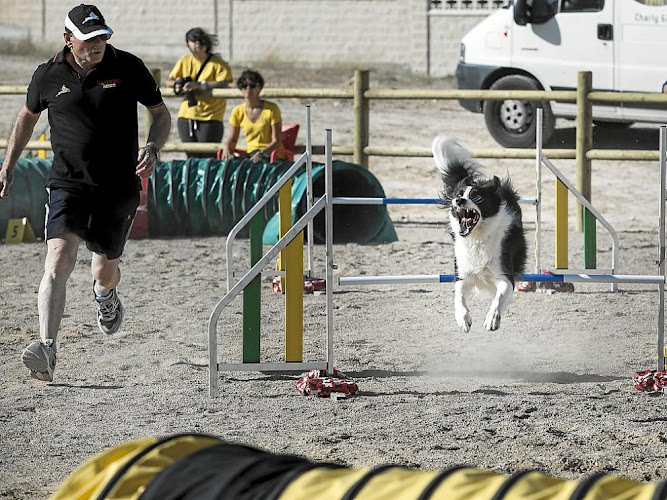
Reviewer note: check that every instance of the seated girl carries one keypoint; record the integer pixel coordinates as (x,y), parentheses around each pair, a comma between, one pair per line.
(260,120)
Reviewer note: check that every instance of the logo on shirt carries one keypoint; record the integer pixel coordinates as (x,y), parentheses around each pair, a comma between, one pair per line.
(109,84)
(63,90)
(91,17)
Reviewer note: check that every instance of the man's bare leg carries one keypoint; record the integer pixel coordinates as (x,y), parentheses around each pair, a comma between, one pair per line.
(59,264)
(40,356)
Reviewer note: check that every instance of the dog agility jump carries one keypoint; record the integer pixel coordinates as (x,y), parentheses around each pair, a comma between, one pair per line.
(326,203)
(561,276)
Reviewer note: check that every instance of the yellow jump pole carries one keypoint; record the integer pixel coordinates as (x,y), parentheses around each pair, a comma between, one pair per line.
(561,236)
(294,300)
(284,224)
(291,261)
(41,153)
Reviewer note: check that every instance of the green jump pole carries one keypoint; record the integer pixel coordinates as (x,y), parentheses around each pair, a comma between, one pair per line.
(590,240)
(252,295)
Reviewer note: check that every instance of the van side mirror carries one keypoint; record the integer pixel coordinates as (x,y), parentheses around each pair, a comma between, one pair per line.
(520,12)
(534,11)
(541,11)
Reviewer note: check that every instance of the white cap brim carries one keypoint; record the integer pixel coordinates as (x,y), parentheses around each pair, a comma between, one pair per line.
(85,36)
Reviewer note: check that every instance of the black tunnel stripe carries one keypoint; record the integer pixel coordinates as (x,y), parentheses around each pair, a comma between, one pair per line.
(660,491)
(437,481)
(511,481)
(359,485)
(294,475)
(583,487)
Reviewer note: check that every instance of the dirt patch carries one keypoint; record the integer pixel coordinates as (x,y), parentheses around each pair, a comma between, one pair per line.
(550,390)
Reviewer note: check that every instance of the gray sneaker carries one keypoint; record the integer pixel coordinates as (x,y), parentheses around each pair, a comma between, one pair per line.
(109,312)
(40,358)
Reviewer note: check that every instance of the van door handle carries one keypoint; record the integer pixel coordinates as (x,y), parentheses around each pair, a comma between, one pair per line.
(605,32)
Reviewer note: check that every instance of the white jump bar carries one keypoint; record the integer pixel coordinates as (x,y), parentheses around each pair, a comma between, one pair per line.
(551,277)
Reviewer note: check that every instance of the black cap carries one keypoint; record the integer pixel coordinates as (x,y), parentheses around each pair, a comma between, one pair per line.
(86,22)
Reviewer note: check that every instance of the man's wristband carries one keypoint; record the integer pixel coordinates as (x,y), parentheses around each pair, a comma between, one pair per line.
(152,148)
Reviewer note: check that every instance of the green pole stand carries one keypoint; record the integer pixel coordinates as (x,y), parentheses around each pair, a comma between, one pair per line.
(252,295)
(590,240)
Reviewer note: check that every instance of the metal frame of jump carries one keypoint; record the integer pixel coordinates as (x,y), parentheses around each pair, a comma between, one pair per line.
(559,277)
(323,203)
(326,203)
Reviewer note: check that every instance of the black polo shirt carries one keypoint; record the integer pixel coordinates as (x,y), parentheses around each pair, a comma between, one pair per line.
(93,119)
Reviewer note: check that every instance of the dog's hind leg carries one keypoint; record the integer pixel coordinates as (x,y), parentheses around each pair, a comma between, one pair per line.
(500,302)
(462,289)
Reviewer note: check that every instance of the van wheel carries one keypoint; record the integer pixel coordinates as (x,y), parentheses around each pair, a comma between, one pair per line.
(512,122)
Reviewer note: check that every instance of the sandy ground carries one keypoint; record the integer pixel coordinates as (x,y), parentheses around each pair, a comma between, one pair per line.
(551,389)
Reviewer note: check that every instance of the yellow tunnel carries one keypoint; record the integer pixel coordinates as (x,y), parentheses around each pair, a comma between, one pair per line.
(195,466)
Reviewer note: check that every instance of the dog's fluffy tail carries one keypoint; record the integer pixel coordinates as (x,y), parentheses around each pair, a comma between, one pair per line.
(454,162)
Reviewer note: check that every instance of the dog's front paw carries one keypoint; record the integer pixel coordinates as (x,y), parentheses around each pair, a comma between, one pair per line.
(492,321)
(464,320)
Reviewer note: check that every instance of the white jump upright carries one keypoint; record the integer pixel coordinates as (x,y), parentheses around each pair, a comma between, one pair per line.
(661,249)
(324,203)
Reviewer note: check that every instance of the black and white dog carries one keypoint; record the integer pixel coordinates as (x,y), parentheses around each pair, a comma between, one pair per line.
(485,222)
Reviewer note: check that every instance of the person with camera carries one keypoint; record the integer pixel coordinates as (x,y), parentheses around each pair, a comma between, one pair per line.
(200,117)
(91,90)
(260,120)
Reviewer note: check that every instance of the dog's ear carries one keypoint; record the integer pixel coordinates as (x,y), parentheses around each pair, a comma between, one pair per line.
(496,182)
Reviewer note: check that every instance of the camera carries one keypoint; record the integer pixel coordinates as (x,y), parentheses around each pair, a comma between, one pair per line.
(179,83)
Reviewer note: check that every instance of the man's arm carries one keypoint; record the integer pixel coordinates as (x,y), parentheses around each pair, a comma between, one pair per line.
(157,137)
(21,134)
(161,126)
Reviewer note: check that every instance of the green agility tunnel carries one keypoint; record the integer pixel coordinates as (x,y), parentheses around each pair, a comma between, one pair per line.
(194,466)
(201,197)
(27,197)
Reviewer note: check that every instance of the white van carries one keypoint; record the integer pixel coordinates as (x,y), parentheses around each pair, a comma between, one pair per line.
(544,44)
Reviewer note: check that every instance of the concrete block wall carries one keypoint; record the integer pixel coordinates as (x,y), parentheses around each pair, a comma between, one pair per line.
(445,34)
(20,22)
(315,33)
(19,12)
(324,32)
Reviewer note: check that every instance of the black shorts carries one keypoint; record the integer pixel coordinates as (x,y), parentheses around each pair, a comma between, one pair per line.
(103,221)
(200,131)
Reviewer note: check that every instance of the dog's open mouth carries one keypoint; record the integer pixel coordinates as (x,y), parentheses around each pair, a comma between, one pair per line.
(468,219)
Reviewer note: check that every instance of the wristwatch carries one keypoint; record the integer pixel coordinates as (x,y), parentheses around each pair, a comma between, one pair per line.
(152,148)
